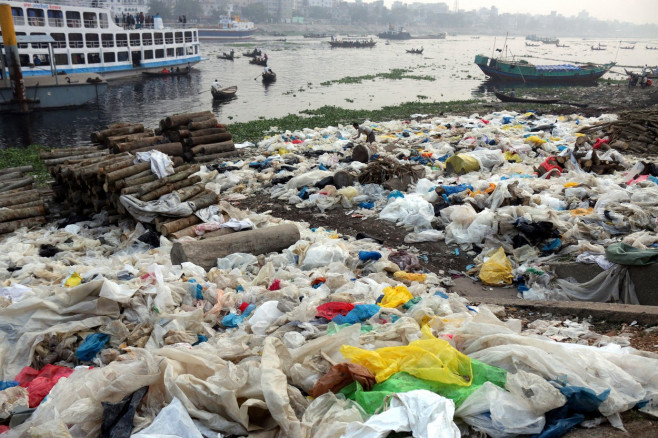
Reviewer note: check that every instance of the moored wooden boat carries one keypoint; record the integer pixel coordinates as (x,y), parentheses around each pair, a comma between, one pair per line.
(648,74)
(224,93)
(352,43)
(513,70)
(509,98)
(253,54)
(227,56)
(416,51)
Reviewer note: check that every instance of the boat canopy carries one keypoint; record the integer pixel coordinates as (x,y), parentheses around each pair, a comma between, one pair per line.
(35,39)
(562,67)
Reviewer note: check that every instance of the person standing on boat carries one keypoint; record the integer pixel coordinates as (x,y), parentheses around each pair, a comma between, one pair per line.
(267,71)
(369,133)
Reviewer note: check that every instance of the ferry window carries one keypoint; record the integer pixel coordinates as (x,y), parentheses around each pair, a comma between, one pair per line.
(196,50)
(188,37)
(61,59)
(147,39)
(103,20)
(159,53)
(169,38)
(55,18)
(24,60)
(93,58)
(170,53)
(195,37)
(90,19)
(123,56)
(107,40)
(73,19)
(158,38)
(60,40)
(35,17)
(75,41)
(148,54)
(179,37)
(19,16)
(122,40)
(134,39)
(77,58)
(109,57)
(180,51)
(21,45)
(92,40)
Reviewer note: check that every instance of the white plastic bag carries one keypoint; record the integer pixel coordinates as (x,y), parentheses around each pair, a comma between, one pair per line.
(172,421)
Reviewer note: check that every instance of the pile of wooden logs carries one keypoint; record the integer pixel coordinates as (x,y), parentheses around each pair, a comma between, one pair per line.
(634,131)
(91,181)
(590,162)
(20,204)
(192,136)
(203,138)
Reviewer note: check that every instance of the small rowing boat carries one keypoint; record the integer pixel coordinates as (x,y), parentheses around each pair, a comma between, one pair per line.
(269,77)
(166,73)
(509,98)
(224,93)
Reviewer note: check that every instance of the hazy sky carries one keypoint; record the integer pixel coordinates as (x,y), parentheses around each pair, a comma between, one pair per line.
(633,11)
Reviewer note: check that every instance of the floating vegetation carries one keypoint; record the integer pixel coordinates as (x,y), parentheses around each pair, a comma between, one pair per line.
(396,73)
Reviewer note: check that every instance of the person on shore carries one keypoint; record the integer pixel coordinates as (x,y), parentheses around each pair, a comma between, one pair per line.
(369,133)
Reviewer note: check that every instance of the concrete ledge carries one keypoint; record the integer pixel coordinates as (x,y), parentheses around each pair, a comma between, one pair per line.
(477,293)
(645,278)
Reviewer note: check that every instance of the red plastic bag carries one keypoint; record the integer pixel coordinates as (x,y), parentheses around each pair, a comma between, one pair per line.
(276,285)
(39,383)
(332,309)
(599,142)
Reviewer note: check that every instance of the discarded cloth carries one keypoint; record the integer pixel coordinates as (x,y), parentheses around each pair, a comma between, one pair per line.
(625,254)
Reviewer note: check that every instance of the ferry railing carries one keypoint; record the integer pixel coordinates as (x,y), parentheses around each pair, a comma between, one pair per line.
(19,21)
(122,43)
(93,44)
(55,22)
(76,44)
(73,22)
(147,42)
(91,24)
(108,44)
(59,45)
(157,41)
(36,21)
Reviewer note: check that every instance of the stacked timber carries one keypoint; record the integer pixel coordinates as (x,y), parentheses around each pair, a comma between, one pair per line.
(633,131)
(89,184)
(22,205)
(202,136)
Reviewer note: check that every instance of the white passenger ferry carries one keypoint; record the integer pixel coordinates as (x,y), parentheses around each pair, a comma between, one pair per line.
(88,40)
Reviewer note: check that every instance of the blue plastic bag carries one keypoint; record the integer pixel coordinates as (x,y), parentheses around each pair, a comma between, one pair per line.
(369,255)
(361,312)
(91,346)
(7,384)
(367,205)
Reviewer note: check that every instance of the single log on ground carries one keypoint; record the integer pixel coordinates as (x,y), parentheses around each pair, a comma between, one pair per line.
(168,188)
(204,139)
(27,181)
(262,241)
(195,126)
(101,136)
(112,142)
(117,165)
(173,149)
(213,148)
(19,169)
(12,214)
(205,199)
(37,203)
(11,175)
(168,228)
(216,233)
(184,119)
(8,227)
(185,232)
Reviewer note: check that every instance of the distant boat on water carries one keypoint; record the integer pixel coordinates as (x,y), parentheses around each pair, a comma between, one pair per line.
(599,47)
(512,70)
(394,34)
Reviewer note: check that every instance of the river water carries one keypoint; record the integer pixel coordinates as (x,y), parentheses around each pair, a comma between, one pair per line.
(301,66)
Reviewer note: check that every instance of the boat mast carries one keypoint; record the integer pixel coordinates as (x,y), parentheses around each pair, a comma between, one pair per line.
(11,47)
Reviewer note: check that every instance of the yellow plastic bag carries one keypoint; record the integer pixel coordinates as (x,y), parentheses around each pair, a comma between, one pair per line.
(428,358)
(534,139)
(571,184)
(409,276)
(73,280)
(394,297)
(462,163)
(512,156)
(497,270)
(582,211)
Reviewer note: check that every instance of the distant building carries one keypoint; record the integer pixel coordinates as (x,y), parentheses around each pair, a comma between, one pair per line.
(321,3)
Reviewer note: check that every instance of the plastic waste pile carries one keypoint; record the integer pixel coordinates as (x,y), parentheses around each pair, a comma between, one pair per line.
(103,336)
(531,185)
